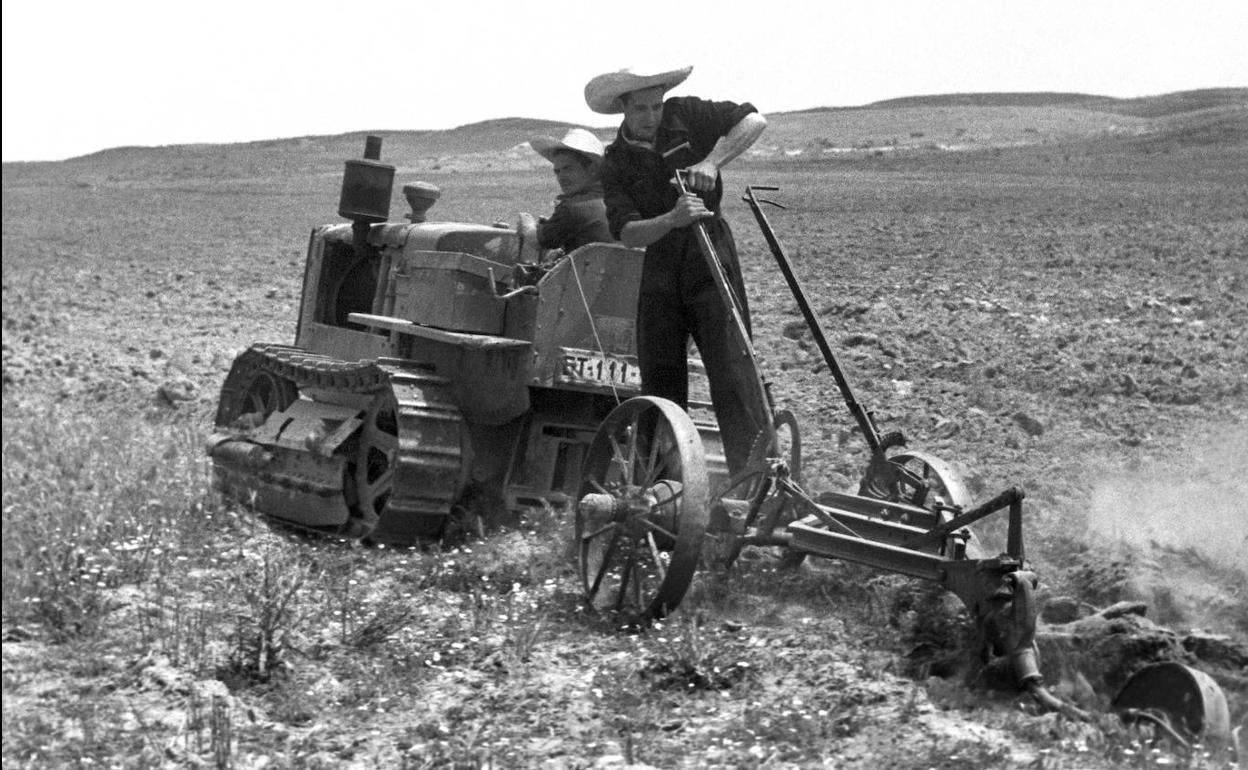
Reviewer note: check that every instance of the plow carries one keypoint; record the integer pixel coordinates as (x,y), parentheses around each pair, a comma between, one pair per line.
(649,516)
(446,377)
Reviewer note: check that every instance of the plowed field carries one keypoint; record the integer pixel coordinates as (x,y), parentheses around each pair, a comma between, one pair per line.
(1067,317)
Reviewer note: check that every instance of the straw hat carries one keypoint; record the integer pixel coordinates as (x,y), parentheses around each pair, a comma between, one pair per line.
(576,140)
(603,93)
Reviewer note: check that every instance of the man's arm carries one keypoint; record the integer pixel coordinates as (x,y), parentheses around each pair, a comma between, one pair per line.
(740,138)
(556,229)
(701,178)
(638,234)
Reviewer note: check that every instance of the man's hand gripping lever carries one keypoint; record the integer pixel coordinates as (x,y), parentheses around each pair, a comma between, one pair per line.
(691,210)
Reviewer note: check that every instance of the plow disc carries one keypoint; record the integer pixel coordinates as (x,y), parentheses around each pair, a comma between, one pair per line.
(1179,699)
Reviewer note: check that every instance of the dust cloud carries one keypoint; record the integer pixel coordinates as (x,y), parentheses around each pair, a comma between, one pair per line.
(1201,504)
(1145,511)
(1178,535)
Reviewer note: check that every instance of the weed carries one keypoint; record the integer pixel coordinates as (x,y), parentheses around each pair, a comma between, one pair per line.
(270,584)
(222,734)
(525,625)
(692,663)
(168,619)
(380,625)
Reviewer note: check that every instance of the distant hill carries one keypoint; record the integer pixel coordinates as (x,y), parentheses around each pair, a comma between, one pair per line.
(948,122)
(996,120)
(486,136)
(1031,99)
(1208,126)
(1142,107)
(307,153)
(1176,103)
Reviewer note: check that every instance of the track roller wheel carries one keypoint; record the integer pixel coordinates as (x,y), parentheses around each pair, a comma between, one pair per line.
(643,511)
(375,462)
(251,393)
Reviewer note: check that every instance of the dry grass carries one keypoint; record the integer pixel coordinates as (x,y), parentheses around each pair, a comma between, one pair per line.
(94,504)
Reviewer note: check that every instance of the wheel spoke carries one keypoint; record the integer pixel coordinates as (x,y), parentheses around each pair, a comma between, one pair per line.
(607,553)
(638,576)
(667,501)
(617,459)
(648,474)
(653,466)
(656,528)
(385,442)
(586,538)
(629,565)
(632,431)
(665,451)
(379,485)
(654,553)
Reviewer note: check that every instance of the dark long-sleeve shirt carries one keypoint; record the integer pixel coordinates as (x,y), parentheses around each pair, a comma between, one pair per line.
(637,181)
(578,219)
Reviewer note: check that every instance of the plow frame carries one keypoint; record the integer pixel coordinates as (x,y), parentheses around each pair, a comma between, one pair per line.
(644,490)
(647,519)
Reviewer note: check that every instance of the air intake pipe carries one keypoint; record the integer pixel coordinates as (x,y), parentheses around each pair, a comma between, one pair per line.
(367,185)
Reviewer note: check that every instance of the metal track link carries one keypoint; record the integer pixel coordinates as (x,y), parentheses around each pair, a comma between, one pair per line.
(314,370)
(432,462)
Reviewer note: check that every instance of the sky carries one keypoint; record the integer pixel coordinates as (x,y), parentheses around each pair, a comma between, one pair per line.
(85,76)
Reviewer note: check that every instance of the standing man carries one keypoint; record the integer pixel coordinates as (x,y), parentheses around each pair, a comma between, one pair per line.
(580,217)
(678,298)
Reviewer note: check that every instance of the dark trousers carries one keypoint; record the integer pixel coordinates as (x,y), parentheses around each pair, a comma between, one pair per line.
(668,317)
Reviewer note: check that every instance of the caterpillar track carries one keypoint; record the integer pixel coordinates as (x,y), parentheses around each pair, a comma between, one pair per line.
(372,449)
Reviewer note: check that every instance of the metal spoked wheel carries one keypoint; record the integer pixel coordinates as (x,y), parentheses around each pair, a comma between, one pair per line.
(790,446)
(375,462)
(643,511)
(943,483)
(723,548)
(790,443)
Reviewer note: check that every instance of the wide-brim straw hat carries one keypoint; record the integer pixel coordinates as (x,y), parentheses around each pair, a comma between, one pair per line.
(603,93)
(575,140)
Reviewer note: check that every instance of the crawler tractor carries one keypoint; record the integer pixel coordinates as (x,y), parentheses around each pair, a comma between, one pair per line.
(443,374)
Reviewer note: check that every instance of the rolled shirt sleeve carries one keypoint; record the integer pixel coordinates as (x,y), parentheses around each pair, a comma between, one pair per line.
(637,180)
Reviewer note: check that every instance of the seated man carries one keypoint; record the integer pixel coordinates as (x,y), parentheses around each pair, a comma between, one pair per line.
(580,216)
